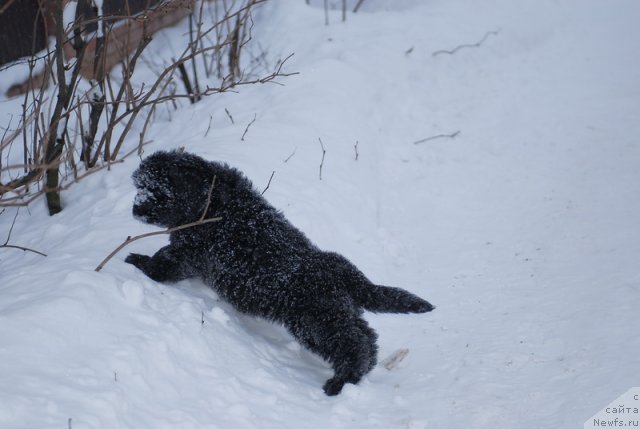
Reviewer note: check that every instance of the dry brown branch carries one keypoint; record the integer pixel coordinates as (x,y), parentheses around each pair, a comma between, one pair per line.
(130,240)
(471,45)
(24,199)
(201,221)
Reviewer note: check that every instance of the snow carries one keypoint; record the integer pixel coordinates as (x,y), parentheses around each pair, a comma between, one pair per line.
(522,230)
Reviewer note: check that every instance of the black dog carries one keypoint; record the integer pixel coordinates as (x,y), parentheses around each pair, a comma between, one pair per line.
(260,263)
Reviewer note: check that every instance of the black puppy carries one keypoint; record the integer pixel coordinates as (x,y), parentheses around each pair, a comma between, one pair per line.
(260,263)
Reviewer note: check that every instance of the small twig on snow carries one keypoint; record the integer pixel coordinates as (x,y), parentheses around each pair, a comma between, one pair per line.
(248,125)
(471,45)
(291,156)
(355,148)
(229,115)
(322,161)
(439,136)
(355,9)
(268,183)
(209,127)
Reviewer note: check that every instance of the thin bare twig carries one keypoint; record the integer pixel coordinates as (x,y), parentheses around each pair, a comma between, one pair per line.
(19,200)
(130,240)
(206,207)
(11,227)
(291,156)
(439,136)
(201,221)
(322,161)
(25,249)
(229,115)
(355,9)
(470,45)
(209,126)
(268,183)
(14,246)
(355,148)
(248,125)
(6,6)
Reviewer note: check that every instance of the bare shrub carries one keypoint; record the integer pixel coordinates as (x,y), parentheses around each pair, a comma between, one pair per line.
(75,127)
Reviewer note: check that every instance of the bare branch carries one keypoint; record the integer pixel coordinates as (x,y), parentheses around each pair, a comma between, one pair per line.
(130,240)
(269,183)
(291,156)
(248,125)
(471,45)
(24,249)
(14,246)
(322,161)
(209,127)
(355,9)
(6,6)
(439,136)
(229,115)
(206,207)
(201,221)
(11,228)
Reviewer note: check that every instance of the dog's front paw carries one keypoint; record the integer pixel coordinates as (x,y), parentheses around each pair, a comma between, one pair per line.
(137,260)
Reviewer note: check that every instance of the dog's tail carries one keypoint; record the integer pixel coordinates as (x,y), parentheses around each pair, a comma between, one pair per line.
(385,299)
(378,299)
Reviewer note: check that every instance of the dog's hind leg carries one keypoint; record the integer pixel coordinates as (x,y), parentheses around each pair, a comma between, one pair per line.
(345,340)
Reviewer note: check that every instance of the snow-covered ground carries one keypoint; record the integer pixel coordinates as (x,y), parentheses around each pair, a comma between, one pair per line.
(522,229)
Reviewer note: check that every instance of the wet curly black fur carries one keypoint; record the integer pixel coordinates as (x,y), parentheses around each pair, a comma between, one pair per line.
(260,263)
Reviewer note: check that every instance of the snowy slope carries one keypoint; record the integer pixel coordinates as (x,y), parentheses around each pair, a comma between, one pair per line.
(523,230)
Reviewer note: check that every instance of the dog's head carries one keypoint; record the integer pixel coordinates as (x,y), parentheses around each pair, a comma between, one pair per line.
(172,188)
